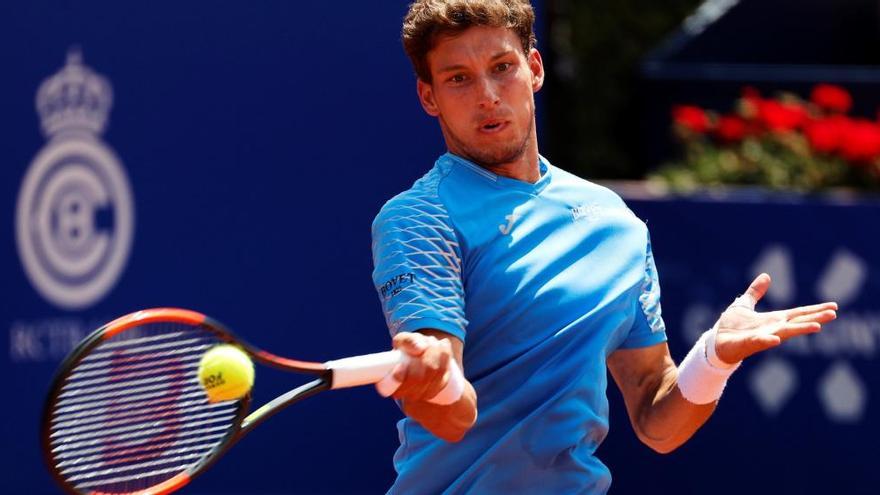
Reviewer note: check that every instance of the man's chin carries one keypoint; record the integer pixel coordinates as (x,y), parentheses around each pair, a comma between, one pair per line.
(497,156)
(494,160)
(490,150)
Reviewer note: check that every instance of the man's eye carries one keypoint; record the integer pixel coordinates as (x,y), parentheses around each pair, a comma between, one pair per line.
(458,78)
(502,67)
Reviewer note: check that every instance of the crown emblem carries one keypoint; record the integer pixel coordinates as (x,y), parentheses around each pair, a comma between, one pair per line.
(75,98)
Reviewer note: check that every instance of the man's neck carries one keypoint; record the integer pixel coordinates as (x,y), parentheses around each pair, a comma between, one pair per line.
(525,169)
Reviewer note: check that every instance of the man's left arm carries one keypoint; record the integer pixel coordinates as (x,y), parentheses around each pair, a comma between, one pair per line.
(666,403)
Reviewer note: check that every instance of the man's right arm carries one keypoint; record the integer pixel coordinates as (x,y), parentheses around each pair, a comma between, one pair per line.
(418,274)
(425,375)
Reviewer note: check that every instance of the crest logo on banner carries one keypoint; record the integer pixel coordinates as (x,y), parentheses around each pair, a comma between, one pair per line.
(75,213)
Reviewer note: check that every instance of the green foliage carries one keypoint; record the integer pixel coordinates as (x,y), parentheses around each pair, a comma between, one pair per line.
(781,161)
(593,52)
(779,143)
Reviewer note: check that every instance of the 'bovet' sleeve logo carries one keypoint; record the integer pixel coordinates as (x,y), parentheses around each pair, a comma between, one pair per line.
(396,284)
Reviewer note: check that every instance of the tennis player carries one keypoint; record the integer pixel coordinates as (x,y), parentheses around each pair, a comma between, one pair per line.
(534,281)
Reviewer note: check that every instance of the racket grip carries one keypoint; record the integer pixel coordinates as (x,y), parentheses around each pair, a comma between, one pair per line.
(376,368)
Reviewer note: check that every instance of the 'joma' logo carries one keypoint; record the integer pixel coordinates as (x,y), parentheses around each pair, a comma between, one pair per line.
(511,219)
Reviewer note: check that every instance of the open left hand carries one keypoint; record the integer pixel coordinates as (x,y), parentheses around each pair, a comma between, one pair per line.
(742,331)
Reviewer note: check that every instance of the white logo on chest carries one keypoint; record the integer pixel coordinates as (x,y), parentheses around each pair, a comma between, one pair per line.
(590,212)
(511,219)
(595,211)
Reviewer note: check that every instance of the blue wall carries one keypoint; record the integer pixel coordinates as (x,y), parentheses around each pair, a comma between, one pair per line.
(796,419)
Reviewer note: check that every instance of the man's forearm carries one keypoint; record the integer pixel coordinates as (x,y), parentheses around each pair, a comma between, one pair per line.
(669,420)
(660,415)
(668,403)
(449,422)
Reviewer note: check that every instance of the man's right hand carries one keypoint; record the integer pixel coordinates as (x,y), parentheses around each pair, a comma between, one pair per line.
(424,375)
(427,371)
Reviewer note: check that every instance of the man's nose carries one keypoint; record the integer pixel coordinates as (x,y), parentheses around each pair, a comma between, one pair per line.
(489,95)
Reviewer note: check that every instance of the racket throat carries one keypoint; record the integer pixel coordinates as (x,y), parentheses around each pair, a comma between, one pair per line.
(272,407)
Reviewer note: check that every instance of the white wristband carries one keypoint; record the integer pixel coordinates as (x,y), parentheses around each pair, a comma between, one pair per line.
(712,357)
(702,376)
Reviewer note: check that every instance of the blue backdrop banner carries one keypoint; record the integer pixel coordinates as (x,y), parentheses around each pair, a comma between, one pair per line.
(795,419)
(227,157)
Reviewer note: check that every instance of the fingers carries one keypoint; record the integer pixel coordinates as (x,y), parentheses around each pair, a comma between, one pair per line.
(802,325)
(413,344)
(731,347)
(743,333)
(763,342)
(425,373)
(819,317)
(766,341)
(790,330)
(795,313)
(754,293)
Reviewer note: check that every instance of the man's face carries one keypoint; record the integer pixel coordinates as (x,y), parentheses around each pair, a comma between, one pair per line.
(483,94)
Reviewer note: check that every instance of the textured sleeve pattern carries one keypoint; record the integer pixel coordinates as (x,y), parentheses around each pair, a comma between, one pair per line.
(649,328)
(417,265)
(650,298)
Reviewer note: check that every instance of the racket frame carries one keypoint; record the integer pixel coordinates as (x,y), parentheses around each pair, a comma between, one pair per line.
(354,371)
(244,420)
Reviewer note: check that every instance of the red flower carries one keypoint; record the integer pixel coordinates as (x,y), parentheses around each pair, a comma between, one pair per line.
(831,98)
(826,135)
(691,117)
(731,128)
(861,141)
(749,101)
(778,116)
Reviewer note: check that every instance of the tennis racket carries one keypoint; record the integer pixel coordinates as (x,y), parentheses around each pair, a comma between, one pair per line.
(126,413)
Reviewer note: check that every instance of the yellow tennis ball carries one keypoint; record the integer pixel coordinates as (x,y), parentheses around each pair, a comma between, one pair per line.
(226,373)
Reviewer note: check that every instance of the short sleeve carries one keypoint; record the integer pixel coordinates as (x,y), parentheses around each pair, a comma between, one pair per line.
(648,328)
(417,266)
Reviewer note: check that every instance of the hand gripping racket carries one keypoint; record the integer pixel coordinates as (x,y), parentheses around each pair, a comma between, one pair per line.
(126,413)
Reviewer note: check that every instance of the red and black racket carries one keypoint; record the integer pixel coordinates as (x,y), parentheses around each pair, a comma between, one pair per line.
(126,413)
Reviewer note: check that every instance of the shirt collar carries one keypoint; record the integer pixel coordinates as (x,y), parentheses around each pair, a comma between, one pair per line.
(502,181)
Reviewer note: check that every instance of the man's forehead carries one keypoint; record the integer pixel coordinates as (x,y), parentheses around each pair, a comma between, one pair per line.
(478,41)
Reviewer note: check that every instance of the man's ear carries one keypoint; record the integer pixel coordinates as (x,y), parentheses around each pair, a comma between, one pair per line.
(426,98)
(536,66)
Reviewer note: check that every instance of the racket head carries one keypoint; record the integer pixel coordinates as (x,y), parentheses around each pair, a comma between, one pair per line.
(126,413)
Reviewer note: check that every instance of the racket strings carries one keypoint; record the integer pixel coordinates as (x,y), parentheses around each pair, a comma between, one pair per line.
(120,388)
(152,398)
(135,444)
(88,417)
(182,360)
(158,388)
(136,425)
(132,414)
(121,360)
(102,454)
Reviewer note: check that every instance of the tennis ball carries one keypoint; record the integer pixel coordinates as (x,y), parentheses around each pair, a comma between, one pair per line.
(226,373)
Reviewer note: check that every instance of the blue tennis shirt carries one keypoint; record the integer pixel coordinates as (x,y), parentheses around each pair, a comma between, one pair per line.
(541,282)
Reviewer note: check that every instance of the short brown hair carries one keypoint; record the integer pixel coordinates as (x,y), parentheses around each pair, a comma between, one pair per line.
(427,20)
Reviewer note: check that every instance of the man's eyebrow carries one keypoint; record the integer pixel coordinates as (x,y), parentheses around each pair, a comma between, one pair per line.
(501,54)
(457,67)
(451,68)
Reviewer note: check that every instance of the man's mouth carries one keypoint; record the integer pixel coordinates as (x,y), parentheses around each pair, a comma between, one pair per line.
(494,125)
